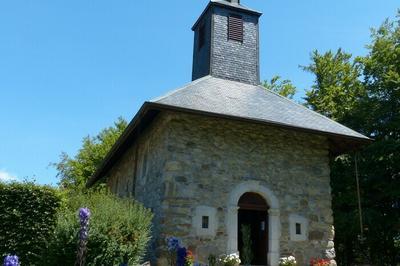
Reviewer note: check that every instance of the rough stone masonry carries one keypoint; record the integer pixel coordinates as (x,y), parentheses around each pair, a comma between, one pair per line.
(186,161)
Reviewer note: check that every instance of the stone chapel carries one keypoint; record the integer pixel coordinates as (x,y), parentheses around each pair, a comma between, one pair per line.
(222,151)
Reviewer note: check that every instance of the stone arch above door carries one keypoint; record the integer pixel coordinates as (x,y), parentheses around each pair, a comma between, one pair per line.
(273,217)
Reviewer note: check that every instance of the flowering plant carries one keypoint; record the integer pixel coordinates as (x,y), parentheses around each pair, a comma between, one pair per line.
(83,215)
(320,262)
(173,244)
(177,254)
(189,260)
(288,261)
(11,261)
(229,260)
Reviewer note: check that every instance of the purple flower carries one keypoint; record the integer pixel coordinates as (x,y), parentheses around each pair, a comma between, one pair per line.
(181,257)
(11,261)
(84,214)
(173,243)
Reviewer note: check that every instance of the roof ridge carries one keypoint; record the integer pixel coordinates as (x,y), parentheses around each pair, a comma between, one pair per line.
(311,111)
(170,93)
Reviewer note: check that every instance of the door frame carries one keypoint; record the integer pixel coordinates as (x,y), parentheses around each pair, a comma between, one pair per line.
(274,226)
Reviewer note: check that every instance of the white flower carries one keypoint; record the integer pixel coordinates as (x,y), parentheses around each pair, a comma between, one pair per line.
(291,260)
(229,258)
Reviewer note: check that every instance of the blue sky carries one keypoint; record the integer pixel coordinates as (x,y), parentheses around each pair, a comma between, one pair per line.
(70,68)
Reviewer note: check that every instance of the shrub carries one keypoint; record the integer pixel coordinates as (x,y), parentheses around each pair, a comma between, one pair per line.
(247,253)
(28,216)
(119,231)
(212,260)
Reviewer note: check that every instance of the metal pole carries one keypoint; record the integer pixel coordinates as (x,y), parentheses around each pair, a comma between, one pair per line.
(359,197)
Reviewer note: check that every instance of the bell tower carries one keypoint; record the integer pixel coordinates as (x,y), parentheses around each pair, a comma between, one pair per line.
(226,42)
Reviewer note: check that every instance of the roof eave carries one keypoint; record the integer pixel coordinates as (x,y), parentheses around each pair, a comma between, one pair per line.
(102,170)
(161,106)
(147,106)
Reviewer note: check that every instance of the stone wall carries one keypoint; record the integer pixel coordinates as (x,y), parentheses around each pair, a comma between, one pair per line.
(138,174)
(197,161)
(209,157)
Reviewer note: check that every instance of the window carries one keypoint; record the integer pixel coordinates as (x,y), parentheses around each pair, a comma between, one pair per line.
(202,37)
(235,28)
(298,229)
(204,222)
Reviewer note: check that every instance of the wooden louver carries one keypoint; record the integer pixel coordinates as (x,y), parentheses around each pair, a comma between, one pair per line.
(235,28)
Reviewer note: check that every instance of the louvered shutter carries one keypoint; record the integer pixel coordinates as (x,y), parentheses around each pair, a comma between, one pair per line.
(235,28)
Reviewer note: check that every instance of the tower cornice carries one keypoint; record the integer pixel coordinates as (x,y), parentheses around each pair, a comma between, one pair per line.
(226,4)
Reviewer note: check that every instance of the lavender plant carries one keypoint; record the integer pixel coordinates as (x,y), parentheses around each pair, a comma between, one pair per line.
(173,244)
(11,261)
(84,215)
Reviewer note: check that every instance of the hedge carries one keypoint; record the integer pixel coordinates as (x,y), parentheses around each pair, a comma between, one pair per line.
(28,216)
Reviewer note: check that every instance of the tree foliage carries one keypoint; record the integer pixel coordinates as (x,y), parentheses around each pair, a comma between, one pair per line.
(364,94)
(74,172)
(337,87)
(284,88)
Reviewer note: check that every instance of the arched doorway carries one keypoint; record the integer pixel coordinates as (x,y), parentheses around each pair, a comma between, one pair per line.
(274,228)
(253,214)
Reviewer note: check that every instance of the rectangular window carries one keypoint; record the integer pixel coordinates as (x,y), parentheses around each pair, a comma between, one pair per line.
(235,28)
(202,37)
(298,229)
(204,222)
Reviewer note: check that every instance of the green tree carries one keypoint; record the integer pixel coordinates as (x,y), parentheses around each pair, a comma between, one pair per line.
(74,172)
(337,86)
(282,87)
(364,94)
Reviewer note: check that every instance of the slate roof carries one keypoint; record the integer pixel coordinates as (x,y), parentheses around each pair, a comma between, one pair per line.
(238,101)
(235,99)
